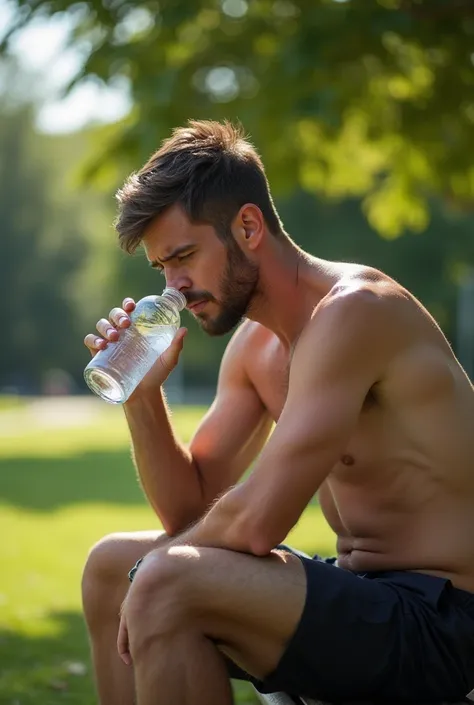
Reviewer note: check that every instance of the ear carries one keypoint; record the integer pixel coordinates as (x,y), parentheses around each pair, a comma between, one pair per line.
(248,227)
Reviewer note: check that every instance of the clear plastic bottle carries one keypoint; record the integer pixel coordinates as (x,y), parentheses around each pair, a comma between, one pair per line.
(115,372)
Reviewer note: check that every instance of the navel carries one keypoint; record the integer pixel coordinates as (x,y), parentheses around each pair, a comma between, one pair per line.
(347,460)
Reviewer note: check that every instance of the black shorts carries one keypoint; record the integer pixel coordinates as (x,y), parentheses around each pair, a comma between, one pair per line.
(388,636)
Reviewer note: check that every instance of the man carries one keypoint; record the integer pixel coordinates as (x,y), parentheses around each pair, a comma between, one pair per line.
(373,411)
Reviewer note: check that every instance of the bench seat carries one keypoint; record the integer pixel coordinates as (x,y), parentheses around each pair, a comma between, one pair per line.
(283,699)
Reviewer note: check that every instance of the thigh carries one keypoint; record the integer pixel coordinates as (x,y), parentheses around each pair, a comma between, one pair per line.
(235,671)
(293,623)
(248,605)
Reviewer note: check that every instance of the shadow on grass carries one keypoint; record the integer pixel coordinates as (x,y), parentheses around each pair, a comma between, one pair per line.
(45,484)
(52,670)
(47,669)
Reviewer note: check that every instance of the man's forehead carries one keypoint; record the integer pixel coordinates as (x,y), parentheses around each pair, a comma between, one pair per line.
(166,231)
(173,229)
(173,220)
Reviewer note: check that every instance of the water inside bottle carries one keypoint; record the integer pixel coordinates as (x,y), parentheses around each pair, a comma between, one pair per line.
(123,372)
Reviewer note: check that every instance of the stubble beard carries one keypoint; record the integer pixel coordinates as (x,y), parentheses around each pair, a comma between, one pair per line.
(239,287)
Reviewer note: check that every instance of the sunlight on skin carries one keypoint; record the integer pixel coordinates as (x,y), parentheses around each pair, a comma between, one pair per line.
(186,551)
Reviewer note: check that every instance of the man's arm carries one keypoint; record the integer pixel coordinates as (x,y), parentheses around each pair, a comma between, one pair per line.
(181,483)
(342,353)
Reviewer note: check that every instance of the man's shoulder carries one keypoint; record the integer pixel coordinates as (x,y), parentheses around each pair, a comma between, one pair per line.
(362,284)
(363,322)
(248,339)
(366,300)
(251,332)
(378,322)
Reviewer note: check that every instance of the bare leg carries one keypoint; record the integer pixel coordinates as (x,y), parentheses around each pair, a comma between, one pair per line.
(187,669)
(189,606)
(104,586)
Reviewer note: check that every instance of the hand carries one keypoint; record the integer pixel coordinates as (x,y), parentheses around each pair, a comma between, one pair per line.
(119,319)
(122,640)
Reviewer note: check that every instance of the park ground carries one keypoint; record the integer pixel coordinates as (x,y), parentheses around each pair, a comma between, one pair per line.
(66,480)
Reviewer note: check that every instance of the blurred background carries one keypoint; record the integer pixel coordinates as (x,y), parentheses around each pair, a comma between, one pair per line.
(363,112)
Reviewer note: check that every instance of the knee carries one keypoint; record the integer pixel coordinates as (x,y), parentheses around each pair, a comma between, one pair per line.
(103,584)
(160,602)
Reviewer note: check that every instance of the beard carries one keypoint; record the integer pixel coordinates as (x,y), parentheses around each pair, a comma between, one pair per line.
(238,288)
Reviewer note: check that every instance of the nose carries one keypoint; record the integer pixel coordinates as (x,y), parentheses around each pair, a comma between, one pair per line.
(178,281)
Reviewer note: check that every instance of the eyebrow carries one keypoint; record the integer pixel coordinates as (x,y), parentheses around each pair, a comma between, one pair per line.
(177,251)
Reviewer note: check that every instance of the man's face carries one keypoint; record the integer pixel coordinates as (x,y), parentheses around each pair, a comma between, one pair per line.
(216,278)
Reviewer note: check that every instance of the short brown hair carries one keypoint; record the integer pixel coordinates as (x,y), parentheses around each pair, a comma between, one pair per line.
(210,169)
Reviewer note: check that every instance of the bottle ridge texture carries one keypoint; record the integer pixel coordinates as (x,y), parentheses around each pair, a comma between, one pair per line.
(114,373)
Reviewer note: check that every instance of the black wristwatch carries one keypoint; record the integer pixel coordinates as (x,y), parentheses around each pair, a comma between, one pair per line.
(131,573)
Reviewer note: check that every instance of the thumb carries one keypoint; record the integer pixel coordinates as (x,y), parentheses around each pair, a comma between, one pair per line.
(123,643)
(169,357)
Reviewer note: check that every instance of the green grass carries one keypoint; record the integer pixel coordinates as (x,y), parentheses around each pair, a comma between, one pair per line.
(10,401)
(61,489)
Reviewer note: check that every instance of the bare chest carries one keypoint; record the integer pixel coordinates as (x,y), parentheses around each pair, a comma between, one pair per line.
(394,434)
(401,492)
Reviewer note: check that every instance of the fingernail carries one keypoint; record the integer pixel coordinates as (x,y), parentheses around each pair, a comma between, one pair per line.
(98,342)
(122,320)
(110,331)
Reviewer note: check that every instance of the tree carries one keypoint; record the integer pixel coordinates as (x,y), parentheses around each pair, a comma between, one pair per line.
(36,268)
(368,99)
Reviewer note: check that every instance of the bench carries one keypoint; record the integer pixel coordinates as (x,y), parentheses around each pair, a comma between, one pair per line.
(283,699)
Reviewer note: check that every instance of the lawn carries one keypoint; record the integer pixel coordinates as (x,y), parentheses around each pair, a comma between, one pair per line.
(66,479)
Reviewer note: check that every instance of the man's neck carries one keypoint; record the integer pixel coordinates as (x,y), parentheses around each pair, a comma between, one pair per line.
(291,285)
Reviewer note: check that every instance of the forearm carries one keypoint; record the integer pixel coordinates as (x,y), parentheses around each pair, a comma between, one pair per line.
(227,524)
(168,474)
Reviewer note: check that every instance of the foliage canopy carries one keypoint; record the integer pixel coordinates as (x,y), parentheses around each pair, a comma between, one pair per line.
(372,99)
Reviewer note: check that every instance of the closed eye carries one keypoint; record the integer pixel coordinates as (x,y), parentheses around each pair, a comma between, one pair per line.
(178,258)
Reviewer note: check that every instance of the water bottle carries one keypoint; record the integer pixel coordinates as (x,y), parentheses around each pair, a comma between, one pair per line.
(115,372)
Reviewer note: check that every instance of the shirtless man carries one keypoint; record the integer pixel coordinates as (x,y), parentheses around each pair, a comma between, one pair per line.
(372,410)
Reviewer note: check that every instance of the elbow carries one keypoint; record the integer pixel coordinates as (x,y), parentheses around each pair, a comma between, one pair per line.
(245,530)
(261,546)
(171,529)
(179,523)
(249,534)
(257,539)
(239,536)
(264,538)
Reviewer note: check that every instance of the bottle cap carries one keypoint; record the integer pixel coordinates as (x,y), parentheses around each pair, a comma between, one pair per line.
(177,297)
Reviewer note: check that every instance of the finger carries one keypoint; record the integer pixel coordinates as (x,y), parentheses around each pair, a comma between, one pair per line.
(122,643)
(176,344)
(169,358)
(180,335)
(128,304)
(94,343)
(119,318)
(107,330)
